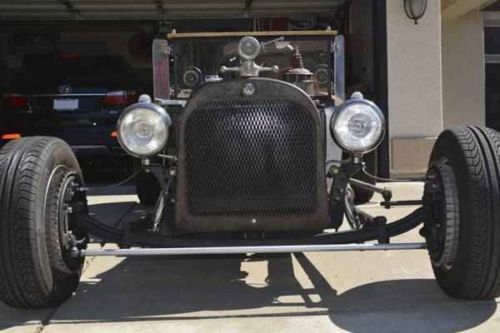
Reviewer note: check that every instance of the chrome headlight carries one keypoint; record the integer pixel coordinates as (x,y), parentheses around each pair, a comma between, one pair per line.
(358,125)
(143,129)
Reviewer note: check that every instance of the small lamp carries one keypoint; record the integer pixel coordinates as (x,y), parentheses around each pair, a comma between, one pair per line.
(415,9)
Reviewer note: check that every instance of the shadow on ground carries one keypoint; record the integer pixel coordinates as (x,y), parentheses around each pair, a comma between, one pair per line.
(22,319)
(193,288)
(143,289)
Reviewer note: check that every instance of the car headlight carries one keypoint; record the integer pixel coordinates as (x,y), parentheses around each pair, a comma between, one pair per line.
(249,48)
(143,129)
(358,125)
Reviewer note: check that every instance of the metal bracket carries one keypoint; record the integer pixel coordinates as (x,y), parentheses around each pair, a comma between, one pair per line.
(385,192)
(166,181)
(341,176)
(380,223)
(249,68)
(339,67)
(388,204)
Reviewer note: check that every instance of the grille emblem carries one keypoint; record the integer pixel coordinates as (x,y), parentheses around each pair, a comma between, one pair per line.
(248,89)
(64,89)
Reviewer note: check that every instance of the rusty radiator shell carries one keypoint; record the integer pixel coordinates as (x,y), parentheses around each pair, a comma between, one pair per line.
(215,206)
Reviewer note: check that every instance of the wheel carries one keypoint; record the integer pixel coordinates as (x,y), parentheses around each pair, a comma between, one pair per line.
(38,176)
(462,229)
(362,196)
(148,188)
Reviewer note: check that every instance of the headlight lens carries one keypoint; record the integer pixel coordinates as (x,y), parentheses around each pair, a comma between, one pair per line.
(358,125)
(143,129)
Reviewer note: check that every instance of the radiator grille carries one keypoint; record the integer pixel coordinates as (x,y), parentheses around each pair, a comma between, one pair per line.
(255,158)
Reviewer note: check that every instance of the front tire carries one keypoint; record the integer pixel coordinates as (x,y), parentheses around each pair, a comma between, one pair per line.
(36,270)
(463,229)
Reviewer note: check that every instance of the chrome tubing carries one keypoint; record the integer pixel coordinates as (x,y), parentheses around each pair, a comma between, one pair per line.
(248,249)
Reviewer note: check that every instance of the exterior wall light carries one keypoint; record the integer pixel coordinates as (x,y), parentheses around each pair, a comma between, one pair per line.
(415,9)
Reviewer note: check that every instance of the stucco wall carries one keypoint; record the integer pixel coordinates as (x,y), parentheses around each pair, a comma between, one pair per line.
(463,70)
(414,84)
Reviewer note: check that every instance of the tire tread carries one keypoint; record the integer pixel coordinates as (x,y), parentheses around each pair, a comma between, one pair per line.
(478,273)
(23,252)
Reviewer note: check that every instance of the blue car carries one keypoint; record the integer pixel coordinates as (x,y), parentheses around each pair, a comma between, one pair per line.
(76,98)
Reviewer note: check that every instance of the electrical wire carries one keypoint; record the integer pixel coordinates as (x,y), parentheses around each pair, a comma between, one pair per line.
(390,180)
(123,182)
(380,179)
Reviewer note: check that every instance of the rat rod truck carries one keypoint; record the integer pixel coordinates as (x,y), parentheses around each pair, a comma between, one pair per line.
(249,146)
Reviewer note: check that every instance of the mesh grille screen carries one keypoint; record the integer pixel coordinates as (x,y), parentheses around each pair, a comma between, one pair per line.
(255,158)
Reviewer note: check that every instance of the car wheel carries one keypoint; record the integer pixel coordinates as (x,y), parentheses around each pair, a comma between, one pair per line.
(462,229)
(361,195)
(148,188)
(38,176)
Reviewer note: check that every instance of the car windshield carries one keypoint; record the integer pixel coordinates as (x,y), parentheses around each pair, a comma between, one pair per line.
(198,60)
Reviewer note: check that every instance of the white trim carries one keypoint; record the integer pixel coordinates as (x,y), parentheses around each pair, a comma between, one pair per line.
(491,19)
(492,58)
(491,23)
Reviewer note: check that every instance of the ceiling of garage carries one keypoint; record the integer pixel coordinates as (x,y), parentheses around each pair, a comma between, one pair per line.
(26,10)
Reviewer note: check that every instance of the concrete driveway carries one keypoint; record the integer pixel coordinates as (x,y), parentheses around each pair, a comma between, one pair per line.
(316,292)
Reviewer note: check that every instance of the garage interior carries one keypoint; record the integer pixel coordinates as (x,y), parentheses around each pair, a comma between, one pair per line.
(126,28)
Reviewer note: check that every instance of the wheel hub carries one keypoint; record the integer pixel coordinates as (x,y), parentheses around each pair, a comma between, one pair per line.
(441,228)
(70,238)
(67,192)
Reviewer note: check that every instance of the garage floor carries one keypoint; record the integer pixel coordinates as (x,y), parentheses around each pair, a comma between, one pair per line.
(320,292)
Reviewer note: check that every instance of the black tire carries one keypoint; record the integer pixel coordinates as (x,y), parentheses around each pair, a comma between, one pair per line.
(34,272)
(361,195)
(148,188)
(465,254)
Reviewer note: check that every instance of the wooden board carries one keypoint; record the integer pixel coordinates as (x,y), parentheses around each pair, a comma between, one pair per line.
(251,33)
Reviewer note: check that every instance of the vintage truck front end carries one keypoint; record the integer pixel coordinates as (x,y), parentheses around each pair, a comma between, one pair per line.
(253,153)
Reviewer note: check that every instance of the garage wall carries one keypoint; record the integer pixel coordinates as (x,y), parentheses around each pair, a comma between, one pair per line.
(414,85)
(114,42)
(463,74)
(117,43)
(133,45)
